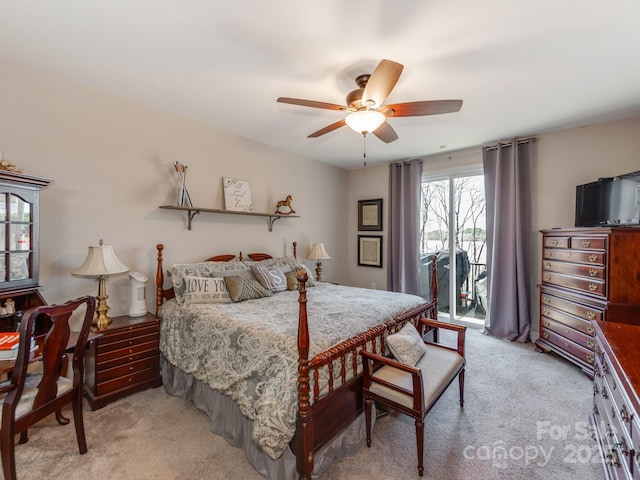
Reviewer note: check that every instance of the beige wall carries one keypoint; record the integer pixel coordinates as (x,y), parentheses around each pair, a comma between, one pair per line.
(111,160)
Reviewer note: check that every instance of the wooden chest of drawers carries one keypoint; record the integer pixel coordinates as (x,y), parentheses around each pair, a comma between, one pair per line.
(587,274)
(124,360)
(615,422)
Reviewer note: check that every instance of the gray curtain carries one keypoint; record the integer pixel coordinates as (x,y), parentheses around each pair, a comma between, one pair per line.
(403,239)
(507,174)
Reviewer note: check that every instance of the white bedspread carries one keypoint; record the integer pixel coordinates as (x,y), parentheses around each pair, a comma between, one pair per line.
(248,350)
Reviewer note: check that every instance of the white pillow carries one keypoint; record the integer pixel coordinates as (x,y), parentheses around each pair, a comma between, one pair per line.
(206,290)
(406,345)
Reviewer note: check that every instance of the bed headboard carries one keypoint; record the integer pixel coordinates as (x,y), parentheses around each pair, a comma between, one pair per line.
(163,294)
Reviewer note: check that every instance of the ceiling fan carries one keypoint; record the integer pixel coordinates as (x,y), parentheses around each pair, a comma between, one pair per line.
(367,111)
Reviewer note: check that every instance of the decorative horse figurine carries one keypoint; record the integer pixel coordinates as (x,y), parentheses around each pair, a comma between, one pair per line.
(285,203)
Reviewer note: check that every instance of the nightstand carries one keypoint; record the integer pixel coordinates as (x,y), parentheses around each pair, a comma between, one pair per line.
(124,360)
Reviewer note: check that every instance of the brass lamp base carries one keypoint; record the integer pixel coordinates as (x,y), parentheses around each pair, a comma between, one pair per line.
(318,271)
(102,320)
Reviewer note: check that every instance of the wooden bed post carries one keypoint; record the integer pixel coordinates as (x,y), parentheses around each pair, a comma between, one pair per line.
(159,278)
(304,453)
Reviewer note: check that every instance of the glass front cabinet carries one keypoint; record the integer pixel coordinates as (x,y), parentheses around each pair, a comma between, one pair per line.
(19,246)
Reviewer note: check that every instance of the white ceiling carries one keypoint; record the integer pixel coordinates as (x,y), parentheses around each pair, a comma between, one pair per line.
(522,67)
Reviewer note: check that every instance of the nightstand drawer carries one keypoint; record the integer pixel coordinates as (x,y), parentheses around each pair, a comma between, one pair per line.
(128,343)
(129,355)
(127,381)
(129,333)
(128,369)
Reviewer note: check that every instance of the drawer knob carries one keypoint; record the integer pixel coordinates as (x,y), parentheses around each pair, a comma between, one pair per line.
(591,344)
(547,277)
(593,272)
(566,344)
(548,253)
(623,447)
(545,311)
(546,300)
(609,431)
(595,410)
(604,393)
(591,316)
(593,258)
(590,358)
(545,334)
(547,265)
(586,243)
(593,287)
(554,242)
(546,323)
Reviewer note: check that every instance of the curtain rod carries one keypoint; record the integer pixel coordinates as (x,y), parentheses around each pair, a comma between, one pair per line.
(508,144)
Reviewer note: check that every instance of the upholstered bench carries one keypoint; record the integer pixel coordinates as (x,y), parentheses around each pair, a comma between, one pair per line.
(414,380)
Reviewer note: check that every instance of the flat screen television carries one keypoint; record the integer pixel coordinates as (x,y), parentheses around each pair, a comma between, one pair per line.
(609,201)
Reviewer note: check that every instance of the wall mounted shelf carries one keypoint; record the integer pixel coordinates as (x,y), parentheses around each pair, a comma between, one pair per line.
(193,211)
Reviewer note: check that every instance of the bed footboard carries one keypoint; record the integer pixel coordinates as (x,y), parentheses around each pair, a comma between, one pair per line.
(331,411)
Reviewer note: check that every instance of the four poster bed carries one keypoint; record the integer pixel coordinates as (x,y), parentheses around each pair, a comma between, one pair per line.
(280,375)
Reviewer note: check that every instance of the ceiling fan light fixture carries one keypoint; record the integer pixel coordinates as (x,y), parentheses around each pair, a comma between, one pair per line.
(365,121)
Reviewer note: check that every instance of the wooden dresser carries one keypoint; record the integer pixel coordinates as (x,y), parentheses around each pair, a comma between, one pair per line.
(615,422)
(587,274)
(124,360)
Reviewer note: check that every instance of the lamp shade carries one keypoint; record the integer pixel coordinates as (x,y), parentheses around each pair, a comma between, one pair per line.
(100,261)
(365,121)
(318,252)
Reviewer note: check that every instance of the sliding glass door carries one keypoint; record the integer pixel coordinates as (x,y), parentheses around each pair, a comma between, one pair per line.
(453,229)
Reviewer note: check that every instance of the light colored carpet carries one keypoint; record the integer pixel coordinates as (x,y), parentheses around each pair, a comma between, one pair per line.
(525,416)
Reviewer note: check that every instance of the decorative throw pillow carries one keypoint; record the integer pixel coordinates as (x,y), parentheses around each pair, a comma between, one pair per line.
(206,290)
(270,277)
(203,269)
(241,289)
(406,345)
(292,279)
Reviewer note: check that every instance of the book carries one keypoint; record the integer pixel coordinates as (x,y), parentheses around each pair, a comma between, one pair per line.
(9,340)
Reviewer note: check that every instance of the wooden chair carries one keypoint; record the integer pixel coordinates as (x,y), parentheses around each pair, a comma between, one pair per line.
(27,397)
(414,390)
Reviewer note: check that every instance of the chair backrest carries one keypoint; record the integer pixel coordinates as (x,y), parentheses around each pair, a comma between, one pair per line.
(54,345)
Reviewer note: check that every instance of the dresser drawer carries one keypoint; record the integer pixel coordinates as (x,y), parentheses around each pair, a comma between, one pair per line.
(577,256)
(568,346)
(572,307)
(587,271)
(129,333)
(569,321)
(588,243)
(557,242)
(593,287)
(569,333)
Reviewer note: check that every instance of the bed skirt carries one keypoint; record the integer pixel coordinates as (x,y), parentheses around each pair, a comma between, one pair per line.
(227,420)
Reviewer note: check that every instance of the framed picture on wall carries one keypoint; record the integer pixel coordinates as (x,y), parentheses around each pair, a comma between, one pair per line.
(370,250)
(370,215)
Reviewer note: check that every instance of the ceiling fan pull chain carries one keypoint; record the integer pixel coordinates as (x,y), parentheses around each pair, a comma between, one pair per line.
(364,147)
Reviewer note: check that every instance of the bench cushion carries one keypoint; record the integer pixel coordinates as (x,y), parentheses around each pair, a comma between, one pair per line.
(439,366)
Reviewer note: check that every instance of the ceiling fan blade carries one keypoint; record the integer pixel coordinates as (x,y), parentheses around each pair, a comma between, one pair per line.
(381,82)
(311,103)
(329,128)
(416,109)
(386,133)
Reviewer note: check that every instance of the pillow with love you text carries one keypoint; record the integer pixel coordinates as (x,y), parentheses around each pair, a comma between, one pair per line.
(206,290)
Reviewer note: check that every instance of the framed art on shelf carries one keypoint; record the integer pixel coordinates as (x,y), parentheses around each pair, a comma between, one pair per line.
(370,215)
(370,250)
(237,195)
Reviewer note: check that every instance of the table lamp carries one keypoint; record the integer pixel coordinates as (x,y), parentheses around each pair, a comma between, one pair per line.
(101,263)
(318,253)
